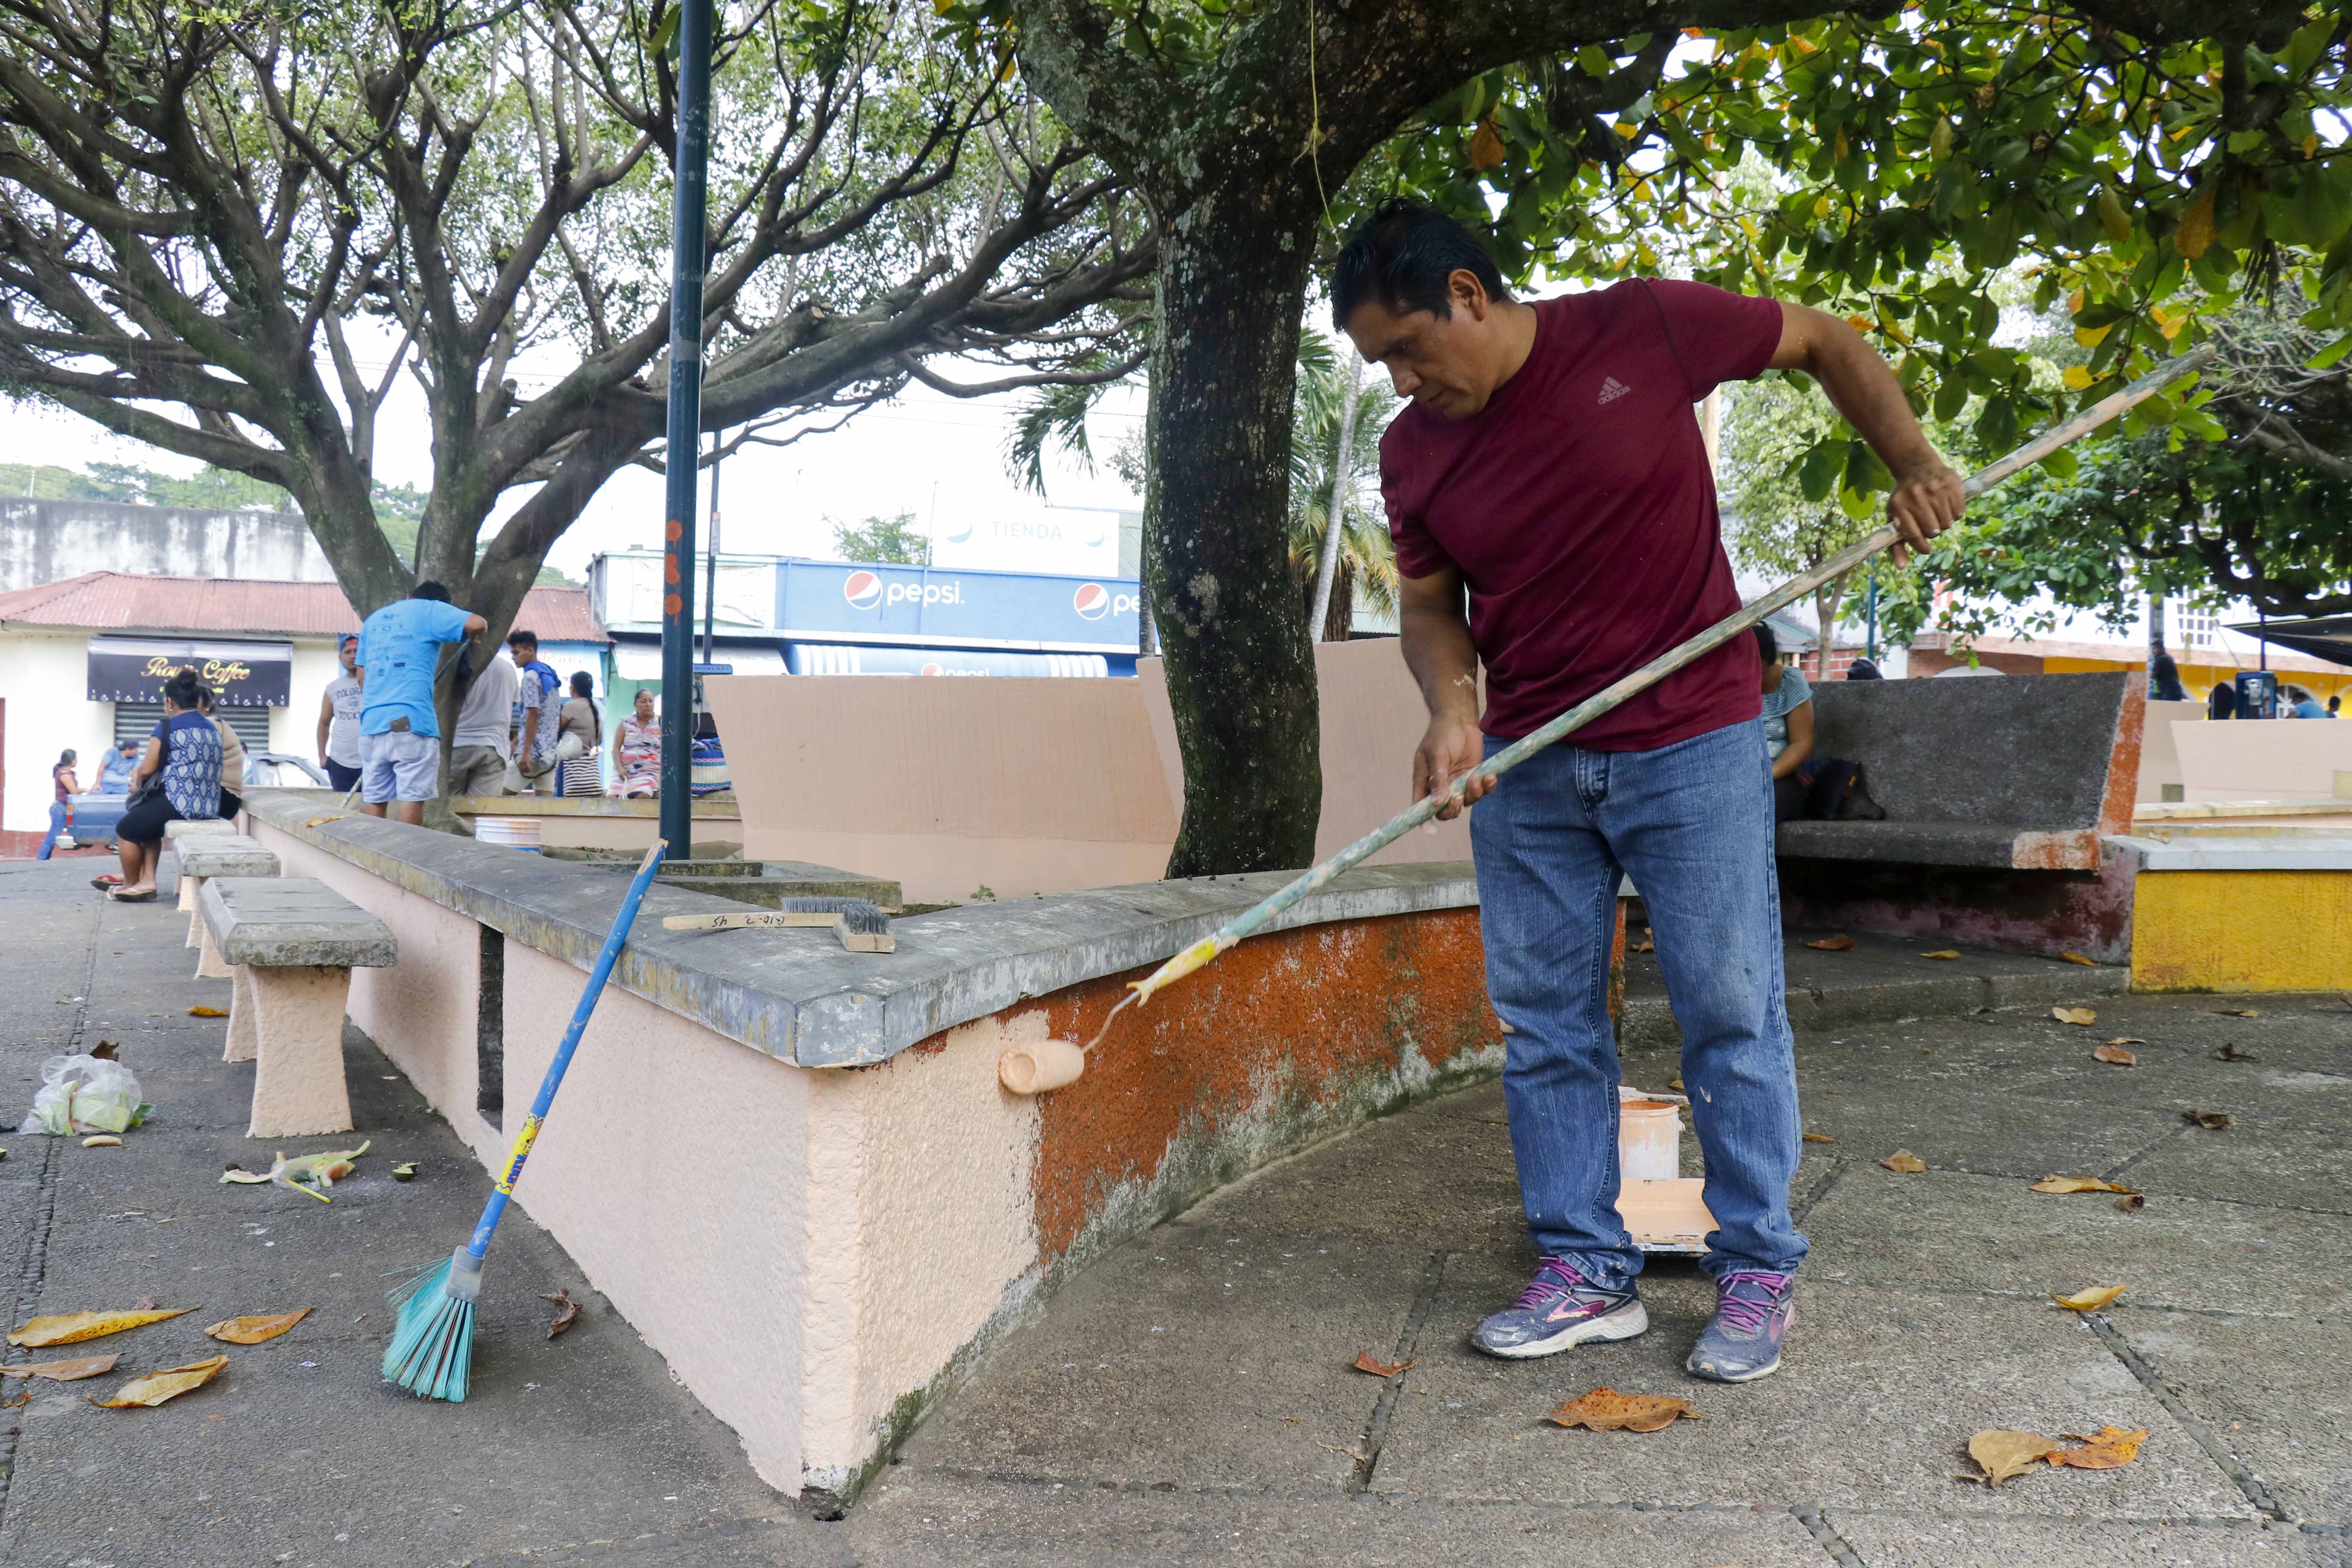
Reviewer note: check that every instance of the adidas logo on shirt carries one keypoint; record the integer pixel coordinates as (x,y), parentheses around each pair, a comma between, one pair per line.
(1613,389)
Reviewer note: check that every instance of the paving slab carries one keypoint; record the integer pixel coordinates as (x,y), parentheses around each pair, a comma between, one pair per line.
(1994,1234)
(1873,1407)
(2276,1392)
(990,1524)
(1898,1542)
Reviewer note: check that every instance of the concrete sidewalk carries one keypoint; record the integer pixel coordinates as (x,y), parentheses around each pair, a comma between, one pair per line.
(1188,1397)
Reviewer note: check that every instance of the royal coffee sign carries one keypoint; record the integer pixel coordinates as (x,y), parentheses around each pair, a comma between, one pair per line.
(241,674)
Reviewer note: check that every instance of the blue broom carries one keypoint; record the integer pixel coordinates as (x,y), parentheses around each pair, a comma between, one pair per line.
(432,1339)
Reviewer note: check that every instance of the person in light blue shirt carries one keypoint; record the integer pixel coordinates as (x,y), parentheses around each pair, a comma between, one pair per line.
(2305,706)
(114,768)
(400,649)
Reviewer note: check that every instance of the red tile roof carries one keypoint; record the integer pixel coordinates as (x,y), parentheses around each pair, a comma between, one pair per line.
(119,601)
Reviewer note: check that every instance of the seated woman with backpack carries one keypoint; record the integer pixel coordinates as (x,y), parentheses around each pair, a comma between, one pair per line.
(178,779)
(1804,786)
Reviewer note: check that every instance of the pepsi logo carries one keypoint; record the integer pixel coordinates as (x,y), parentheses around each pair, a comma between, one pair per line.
(1092,601)
(933,669)
(863,590)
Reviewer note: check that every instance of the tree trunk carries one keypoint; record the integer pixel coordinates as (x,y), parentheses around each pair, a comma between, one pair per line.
(1241,676)
(1826,599)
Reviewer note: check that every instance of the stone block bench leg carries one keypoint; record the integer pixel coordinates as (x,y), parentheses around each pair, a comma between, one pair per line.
(209,963)
(298,1027)
(243,1040)
(190,887)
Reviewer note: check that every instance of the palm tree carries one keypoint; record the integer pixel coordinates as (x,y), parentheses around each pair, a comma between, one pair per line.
(1367,557)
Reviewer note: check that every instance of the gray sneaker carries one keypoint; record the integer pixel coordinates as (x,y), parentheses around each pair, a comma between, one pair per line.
(1560,1308)
(1753,1309)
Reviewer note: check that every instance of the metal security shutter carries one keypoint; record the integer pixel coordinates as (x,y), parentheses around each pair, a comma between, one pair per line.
(133,721)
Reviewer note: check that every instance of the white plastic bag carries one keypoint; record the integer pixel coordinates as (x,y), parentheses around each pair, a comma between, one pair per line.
(85,1094)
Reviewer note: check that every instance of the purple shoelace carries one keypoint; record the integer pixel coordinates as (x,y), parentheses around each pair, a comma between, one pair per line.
(1555,1277)
(1744,1313)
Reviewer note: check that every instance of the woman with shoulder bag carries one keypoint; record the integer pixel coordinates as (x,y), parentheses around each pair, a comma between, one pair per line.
(177,779)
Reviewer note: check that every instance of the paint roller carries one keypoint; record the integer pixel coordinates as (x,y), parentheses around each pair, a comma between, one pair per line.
(1037,1067)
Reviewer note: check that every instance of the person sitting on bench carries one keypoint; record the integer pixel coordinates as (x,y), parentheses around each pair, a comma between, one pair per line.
(1788,728)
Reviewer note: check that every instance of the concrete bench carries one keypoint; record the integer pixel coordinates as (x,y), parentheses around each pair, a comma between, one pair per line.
(291,944)
(2012,773)
(2002,795)
(175,831)
(208,855)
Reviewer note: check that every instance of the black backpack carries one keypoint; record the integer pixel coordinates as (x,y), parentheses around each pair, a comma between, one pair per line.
(1839,792)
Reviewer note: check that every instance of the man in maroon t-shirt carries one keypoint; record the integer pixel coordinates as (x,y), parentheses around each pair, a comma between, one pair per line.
(1553,508)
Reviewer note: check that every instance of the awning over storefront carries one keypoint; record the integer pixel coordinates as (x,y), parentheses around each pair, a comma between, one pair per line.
(2321,637)
(642,662)
(241,674)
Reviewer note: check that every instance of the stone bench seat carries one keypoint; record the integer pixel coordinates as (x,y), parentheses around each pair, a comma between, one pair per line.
(291,944)
(208,855)
(1996,845)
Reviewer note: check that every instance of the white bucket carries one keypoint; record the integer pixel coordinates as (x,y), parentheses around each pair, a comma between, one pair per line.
(513,832)
(1649,1140)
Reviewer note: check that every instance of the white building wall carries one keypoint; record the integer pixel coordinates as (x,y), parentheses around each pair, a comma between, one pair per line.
(294,729)
(43,680)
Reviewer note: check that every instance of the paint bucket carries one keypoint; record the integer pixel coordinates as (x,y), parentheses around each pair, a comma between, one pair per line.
(1649,1140)
(510,832)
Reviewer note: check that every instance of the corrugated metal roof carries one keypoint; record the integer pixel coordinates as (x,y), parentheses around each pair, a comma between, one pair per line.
(121,601)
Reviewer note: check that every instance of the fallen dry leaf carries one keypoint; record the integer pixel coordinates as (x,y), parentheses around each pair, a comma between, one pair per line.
(1905,1161)
(2132,1202)
(567,1312)
(1356,1454)
(2231,1052)
(1831,943)
(170,1384)
(106,1050)
(1675,1082)
(145,1304)
(2240,1013)
(69,1328)
(2078,958)
(1819,1138)
(206,1013)
(2214,1119)
(2115,1056)
(66,1371)
(1644,945)
(1947,952)
(1606,1410)
(2077,1184)
(253,1331)
(2003,1455)
(2126,1040)
(2090,1299)
(1367,1361)
(2109,1448)
(2074,1014)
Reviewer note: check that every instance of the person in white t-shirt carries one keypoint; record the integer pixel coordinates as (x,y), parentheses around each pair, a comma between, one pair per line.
(339,718)
(481,747)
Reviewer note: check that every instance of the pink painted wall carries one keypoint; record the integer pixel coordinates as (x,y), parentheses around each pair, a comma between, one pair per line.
(2159,754)
(2273,759)
(674,1169)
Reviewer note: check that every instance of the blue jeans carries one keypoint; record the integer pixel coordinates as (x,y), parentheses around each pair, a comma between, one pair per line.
(56,826)
(1692,824)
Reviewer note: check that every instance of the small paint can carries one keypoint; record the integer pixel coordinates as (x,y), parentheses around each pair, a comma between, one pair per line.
(512,832)
(1649,1140)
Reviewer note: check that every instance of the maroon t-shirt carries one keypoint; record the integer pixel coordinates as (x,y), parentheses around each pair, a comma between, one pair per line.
(1579,508)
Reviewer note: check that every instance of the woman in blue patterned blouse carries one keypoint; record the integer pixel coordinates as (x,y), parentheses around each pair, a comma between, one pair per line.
(185,751)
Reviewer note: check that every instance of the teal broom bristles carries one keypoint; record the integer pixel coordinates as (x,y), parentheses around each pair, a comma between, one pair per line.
(433,1336)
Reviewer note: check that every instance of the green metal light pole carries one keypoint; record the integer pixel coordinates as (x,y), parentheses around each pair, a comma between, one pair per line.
(689,200)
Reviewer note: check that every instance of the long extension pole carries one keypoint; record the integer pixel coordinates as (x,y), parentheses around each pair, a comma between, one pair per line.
(689,197)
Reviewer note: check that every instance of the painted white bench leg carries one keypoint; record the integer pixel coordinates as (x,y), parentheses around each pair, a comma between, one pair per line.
(189,888)
(244,1042)
(187,893)
(297,1082)
(209,963)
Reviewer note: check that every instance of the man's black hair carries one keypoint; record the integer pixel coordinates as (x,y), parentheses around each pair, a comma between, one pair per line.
(519,636)
(1402,256)
(182,689)
(429,589)
(1767,644)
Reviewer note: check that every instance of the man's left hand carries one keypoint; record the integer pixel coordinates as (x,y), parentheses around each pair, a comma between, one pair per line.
(1928,499)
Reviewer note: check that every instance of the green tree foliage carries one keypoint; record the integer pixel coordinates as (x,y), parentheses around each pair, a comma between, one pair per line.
(1771,429)
(1367,565)
(892,540)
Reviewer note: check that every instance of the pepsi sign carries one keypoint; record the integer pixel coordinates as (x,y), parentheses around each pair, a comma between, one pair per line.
(917,606)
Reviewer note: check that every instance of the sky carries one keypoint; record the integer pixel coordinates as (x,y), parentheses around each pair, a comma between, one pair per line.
(936,457)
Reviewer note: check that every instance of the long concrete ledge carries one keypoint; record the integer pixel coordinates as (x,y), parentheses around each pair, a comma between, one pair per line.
(797,995)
